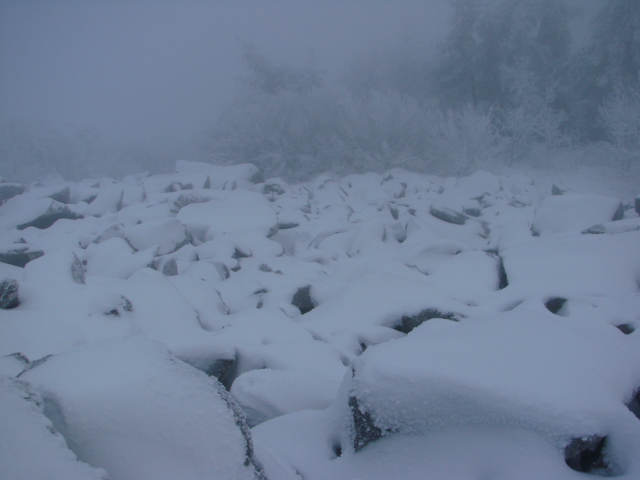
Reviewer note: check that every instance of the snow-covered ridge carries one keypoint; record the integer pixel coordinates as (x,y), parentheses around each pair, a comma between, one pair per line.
(213,324)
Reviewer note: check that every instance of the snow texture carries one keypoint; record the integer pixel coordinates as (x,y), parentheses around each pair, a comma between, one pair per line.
(209,323)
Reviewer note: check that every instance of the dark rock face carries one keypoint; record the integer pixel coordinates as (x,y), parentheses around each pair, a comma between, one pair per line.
(637,205)
(77,271)
(407,324)
(63,196)
(8,293)
(587,455)
(241,422)
(50,217)
(286,226)
(634,404)
(123,305)
(555,304)
(220,368)
(10,190)
(619,215)
(472,212)
(184,200)
(448,215)
(20,256)
(302,299)
(170,268)
(555,190)
(626,328)
(393,209)
(503,280)
(594,230)
(34,364)
(364,429)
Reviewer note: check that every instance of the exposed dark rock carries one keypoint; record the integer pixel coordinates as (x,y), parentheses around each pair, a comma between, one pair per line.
(472,212)
(207,183)
(273,230)
(448,215)
(10,190)
(503,280)
(287,225)
(555,190)
(241,422)
(555,304)
(77,271)
(8,293)
(626,328)
(302,299)
(50,217)
(637,205)
(123,305)
(619,215)
(219,368)
(265,268)
(337,449)
(634,404)
(222,269)
(586,455)
(394,210)
(34,364)
(594,230)
(273,189)
(20,357)
(63,196)
(407,324)
(239,253)
(170,268)
(187,199)
(364,429)
(20,256)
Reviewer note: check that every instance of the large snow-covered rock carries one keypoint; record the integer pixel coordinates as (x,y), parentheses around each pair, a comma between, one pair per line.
(574,212)
(234,211)
(129,407)
(563,380)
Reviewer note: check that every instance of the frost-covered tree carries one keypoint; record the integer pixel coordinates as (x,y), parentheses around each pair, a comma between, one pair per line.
(620,116)
(609,64)
(491,38)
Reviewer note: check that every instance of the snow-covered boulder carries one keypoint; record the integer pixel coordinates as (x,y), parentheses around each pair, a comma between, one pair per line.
(129,407)
(581,265)
(21,212)
(235,211)
(563,380)
(167,234)
(574,212)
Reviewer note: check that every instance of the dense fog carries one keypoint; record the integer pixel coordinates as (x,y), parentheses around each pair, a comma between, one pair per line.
(299,88)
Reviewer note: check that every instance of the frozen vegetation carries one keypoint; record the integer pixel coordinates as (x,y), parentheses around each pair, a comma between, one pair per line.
(211,324)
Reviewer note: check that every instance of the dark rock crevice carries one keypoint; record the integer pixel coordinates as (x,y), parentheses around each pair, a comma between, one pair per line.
(588,455)
(408,323)
(302,299)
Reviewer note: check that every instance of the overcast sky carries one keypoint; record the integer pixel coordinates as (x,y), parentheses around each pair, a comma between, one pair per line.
(158,70)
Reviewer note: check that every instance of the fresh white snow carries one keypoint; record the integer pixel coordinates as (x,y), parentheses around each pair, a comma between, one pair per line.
(211,324)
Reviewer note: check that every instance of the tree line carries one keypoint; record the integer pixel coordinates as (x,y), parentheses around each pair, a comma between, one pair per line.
(504,86)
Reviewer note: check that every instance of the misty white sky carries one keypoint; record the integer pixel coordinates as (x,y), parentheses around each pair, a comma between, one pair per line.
(157,71)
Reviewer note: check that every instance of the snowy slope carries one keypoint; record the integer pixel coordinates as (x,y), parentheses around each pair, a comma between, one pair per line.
(211,324)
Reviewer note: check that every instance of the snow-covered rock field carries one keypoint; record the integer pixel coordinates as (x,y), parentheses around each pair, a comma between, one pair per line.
(210,324)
